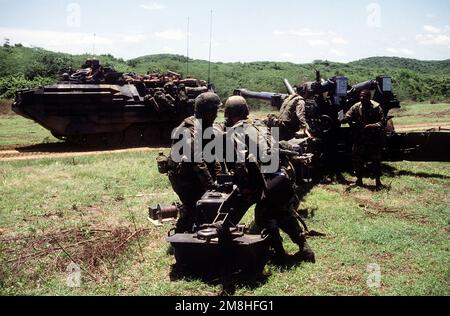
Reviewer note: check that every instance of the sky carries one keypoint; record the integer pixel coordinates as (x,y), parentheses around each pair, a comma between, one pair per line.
(242,31)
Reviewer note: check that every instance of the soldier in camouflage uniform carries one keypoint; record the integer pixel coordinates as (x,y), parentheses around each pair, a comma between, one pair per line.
(368,122)
(189,179)
(274,193)
(291,117)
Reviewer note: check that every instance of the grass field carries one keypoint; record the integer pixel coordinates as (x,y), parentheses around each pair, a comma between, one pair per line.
(422,113)
(15,130)
(85,209)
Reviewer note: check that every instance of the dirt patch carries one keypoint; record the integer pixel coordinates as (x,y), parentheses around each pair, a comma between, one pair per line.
(373,208)
(92,249)
(5,107)
(432,114)
(60,150)
(422,127)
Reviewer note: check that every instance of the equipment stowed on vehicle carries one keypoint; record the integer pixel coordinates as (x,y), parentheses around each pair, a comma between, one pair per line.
(98,106)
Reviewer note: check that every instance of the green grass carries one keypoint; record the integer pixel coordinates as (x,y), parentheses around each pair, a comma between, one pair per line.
(16,130)
(404,230)
(422,113)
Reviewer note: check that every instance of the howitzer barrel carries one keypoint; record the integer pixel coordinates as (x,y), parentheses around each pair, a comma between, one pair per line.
(368,85)
(275,98)
(288,86)
(267,96)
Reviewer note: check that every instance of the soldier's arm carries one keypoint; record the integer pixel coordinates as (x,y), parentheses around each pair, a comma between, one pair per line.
(218,169)
(351,117)
(300,112)
(200,168)
(203,174)
(379,118)
(348,116)
(241,173)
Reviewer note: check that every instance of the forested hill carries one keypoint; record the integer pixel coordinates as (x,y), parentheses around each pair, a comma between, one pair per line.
(413,79)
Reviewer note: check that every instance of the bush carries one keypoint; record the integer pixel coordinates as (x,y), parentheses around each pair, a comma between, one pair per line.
(10,84)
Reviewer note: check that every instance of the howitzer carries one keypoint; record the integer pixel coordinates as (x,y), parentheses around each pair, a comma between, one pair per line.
(336,87)
(423,146)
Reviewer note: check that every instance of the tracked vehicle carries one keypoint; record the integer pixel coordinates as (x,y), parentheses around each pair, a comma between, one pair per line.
(97,106)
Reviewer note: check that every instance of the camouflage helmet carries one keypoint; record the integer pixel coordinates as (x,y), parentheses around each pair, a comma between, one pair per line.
(206,103)
(236,106)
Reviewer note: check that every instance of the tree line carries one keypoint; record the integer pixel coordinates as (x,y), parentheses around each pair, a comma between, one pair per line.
(415,80)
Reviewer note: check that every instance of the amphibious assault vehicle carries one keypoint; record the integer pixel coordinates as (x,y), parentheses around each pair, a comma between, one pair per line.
(98,106)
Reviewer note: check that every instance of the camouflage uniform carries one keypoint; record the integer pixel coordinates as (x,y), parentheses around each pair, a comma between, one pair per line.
(191,180)
(291,117)
(273,194)
(367,143)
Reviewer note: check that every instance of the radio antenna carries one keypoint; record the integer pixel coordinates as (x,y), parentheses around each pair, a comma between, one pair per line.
(187,62)
(210,48)
(93,48)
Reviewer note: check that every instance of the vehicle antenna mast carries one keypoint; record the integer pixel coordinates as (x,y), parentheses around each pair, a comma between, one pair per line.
(210,48)
(93,48)
(187,60)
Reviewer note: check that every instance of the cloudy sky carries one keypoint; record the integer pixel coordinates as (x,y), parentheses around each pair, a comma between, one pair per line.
(246,30)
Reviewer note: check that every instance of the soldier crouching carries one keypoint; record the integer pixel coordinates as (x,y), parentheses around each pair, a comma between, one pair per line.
(273,192)
(191,178)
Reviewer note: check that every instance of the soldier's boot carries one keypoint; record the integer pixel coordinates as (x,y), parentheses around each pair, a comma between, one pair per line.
(359,182)
(358,166)
(291,227)
(306,253)
(378,184)
(276,242)
(279,252)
